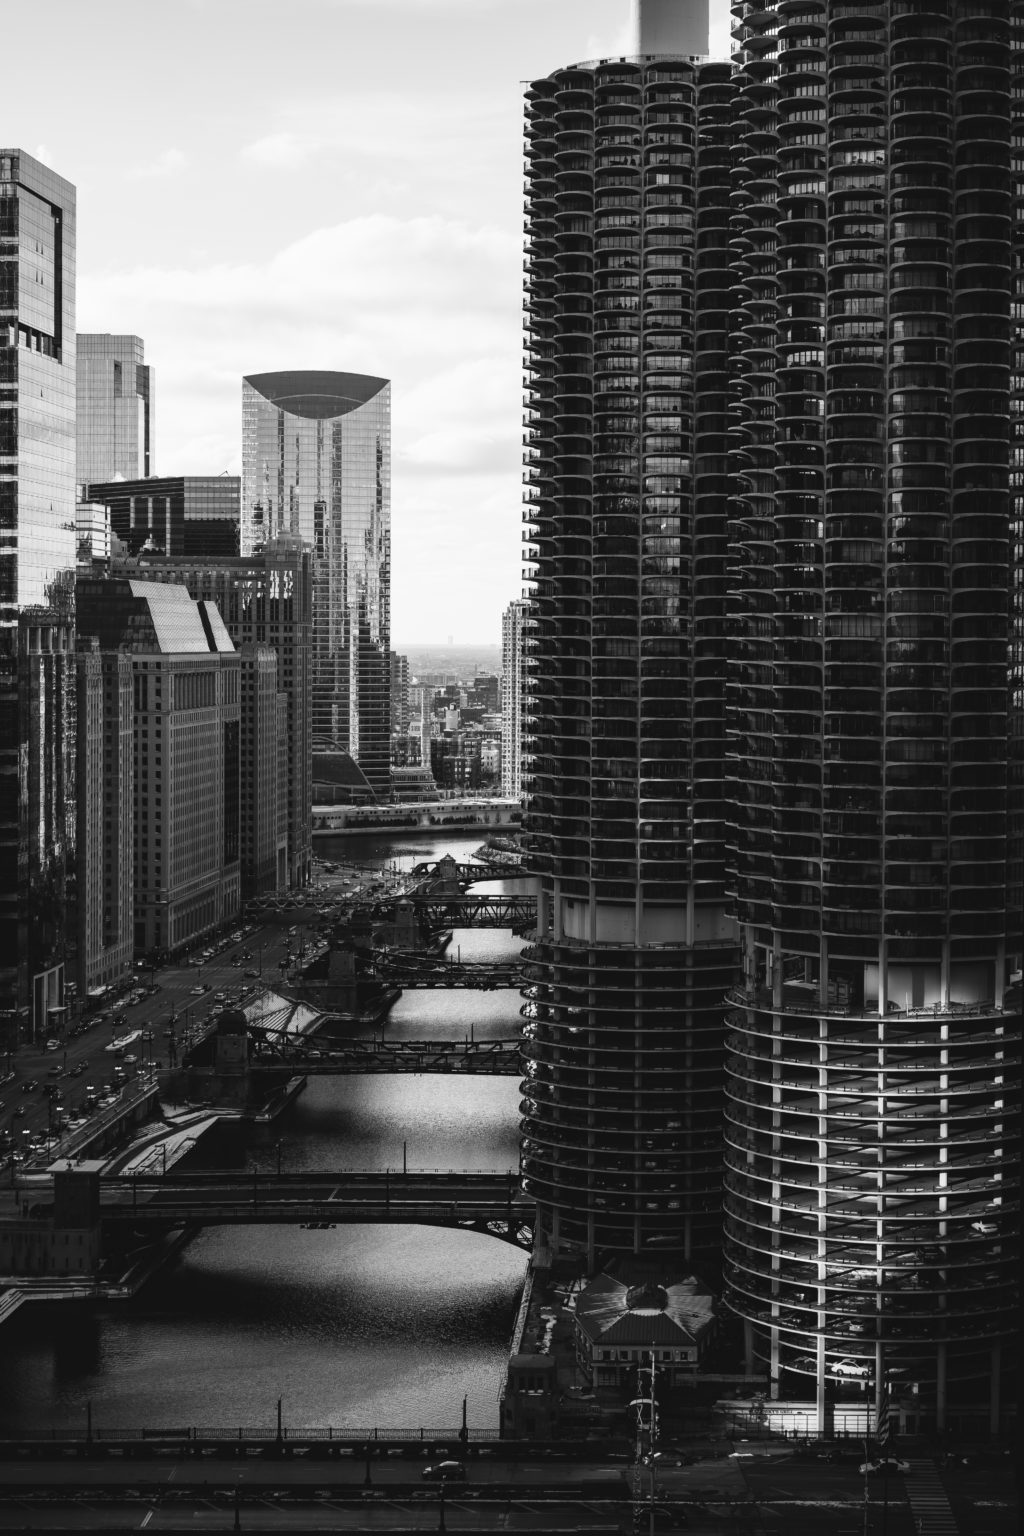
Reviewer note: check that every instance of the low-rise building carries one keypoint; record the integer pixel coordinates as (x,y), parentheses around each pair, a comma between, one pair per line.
(619,1324)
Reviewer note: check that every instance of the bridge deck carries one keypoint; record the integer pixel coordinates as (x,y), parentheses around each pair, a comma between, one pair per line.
(496,1058)
(487,1202)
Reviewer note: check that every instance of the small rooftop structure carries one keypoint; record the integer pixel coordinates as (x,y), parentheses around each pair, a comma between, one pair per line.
(621,1319)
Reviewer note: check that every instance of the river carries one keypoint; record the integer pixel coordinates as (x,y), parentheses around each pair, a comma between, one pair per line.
(359,1326)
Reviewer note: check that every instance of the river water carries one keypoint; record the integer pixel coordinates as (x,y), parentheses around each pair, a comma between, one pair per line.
(360,1326)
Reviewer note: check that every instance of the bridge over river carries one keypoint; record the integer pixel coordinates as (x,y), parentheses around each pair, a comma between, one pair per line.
(516,912)
(317,1056)
(491,1203)
(409,969)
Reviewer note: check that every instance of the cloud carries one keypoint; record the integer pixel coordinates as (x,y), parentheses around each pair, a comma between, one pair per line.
(432,303)
(168,163)
(279,149)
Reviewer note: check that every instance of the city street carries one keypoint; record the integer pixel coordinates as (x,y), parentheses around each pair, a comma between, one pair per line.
(45,1088)
(807,1497)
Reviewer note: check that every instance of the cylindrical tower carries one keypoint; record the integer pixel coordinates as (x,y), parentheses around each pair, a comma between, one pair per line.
(872,1133)
(626,297)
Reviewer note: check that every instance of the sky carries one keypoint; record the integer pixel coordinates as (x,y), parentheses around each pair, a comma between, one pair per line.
(271,184)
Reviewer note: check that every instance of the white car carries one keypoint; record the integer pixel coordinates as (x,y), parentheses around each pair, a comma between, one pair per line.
(849,1368)
(884,1464)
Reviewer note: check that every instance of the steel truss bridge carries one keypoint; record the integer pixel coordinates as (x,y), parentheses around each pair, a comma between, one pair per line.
(489,1203)
(415,970)
(323,1058)
(516,912)
(465,874)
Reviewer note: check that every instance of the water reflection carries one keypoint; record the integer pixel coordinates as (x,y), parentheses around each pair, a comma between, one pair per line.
(358,1326)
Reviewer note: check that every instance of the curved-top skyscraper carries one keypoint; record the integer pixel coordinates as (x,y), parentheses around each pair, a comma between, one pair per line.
(316,461)
(627,187)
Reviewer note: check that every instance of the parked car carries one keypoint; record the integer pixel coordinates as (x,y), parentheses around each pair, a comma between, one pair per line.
(849,1368)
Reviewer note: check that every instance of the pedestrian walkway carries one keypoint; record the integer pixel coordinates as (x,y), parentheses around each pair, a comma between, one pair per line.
(928,1502)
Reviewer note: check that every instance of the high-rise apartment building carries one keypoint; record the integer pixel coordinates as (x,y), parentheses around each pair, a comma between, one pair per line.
(627,188)
(37,565)
(263,831)
(316,462)
(105,800)
(514,626)
(399,694)
(266,599)
(872,1131)
(115,409)
(190,515)
(185,675)
(777,537)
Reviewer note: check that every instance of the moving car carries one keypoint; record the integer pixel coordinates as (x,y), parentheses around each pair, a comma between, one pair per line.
(444,1472)
(885,1464)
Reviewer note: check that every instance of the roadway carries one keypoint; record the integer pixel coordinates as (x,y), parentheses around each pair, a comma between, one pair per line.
(184,992)
(217,1199)
(323,1056)
(701,1489)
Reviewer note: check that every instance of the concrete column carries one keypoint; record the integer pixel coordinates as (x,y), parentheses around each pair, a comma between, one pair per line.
(1000,981)
(820,1402)
(749,1364)
(940,1387)
(994,1389)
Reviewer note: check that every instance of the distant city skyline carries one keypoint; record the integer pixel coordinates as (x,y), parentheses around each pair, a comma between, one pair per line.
(270,230)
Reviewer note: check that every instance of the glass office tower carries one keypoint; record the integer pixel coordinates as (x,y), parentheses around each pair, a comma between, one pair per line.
(115,409)
(37,568)
(627,289)
(872,1132)
(316,462)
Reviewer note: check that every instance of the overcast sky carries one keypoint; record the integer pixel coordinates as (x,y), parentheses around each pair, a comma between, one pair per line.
(269,184)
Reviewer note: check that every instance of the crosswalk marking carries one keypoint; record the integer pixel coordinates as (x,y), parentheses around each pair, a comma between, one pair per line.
(928,1502)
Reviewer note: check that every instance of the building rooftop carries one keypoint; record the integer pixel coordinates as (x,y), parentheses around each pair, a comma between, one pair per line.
(315,394)
(669,1312)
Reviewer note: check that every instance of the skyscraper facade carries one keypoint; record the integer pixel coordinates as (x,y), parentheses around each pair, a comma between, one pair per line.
(872,1075)
(115,409)
(399,694)
(105,801)
(627,188)
(37,565)
(266,599)
(185,675)
(316,462)
(173,515)
(514,624)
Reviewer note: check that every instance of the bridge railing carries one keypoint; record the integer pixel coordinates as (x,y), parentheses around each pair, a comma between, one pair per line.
(261,1176)
(356,1437)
